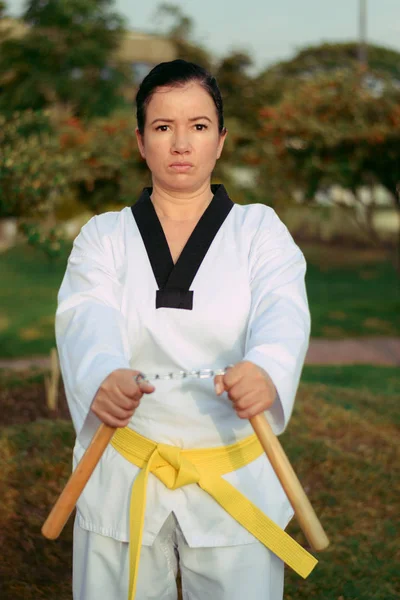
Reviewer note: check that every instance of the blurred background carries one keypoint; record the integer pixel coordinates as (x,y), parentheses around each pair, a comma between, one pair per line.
(312,104)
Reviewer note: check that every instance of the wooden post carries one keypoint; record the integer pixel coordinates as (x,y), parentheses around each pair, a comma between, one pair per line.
(51,382)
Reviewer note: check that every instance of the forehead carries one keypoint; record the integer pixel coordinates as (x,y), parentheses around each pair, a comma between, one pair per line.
(187,101)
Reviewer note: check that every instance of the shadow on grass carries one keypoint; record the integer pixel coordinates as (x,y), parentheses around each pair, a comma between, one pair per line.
(35,465)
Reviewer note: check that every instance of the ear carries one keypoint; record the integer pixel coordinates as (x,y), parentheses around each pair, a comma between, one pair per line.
(221,142)
(140,143)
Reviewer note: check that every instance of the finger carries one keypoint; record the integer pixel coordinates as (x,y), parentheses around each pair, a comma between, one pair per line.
(113,410)
(250,411)
(240,390)
(113,416)
(244,401)
(113,421)
(232,376)
(118,398)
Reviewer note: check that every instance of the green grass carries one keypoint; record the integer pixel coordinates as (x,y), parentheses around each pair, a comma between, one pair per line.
(343,441)
(351,293)
(379,380)
(28,300)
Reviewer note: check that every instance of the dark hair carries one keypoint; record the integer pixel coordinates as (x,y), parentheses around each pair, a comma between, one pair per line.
(176,73)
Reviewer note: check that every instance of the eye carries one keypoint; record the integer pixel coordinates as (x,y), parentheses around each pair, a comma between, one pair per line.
(200,127)
(162,128)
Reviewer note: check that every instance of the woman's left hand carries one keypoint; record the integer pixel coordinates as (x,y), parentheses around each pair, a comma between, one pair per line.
(249,387)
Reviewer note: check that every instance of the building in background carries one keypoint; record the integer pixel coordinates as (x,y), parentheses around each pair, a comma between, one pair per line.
(143,51)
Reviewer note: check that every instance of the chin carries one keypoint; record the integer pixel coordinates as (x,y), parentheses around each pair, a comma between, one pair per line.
(181,182)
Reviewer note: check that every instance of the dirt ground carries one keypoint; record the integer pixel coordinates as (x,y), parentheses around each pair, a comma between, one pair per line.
(21,404)
(373,351)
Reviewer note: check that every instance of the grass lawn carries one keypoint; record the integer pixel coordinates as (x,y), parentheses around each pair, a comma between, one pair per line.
(343,441)
(351,293)
(28,300)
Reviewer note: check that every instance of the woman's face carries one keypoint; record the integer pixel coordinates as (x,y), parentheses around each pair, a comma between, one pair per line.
(181,141)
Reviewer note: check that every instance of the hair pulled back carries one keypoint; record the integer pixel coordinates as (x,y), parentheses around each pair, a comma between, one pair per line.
(176,73)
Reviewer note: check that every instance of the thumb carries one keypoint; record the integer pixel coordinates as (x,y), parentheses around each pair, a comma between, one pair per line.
(219,384)
(146,387)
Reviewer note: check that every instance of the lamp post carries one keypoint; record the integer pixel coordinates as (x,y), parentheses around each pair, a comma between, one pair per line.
(362,45)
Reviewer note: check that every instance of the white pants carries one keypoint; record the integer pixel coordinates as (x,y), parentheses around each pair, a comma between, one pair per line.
(101,569)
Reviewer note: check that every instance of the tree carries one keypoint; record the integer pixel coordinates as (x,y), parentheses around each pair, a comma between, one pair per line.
(65,58)
(334,130)
(34,169)
(180,32)
(237,87)
(314,61)
(45,158)
(328,58)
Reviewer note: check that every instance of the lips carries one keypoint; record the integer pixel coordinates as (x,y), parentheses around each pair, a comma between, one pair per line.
(181,167)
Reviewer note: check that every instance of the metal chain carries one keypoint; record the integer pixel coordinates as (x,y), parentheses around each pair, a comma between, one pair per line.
(194,374)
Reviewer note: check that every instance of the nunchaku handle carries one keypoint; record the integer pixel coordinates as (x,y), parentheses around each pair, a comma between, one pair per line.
(65,504)
(304,512)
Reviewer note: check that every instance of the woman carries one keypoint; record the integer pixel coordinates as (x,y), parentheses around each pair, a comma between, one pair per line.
(185,280)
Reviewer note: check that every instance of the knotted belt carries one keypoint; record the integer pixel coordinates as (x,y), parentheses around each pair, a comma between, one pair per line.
(176,468)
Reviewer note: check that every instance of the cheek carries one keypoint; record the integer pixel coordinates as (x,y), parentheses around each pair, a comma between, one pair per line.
(210,149)
(154,149)
(155,144)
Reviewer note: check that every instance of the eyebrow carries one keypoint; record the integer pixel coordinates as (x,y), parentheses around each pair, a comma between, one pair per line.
(172,120)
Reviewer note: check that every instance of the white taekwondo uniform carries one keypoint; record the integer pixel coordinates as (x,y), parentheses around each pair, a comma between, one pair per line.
(236,293)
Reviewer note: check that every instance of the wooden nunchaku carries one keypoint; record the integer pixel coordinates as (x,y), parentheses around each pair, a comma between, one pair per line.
(303,510)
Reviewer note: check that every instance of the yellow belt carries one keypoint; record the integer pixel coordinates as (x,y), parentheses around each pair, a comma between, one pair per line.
(176,468)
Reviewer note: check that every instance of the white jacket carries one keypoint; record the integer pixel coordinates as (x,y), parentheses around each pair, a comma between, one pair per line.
(249,303)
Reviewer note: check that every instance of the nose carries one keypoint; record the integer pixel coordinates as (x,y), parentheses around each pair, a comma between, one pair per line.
(180,143)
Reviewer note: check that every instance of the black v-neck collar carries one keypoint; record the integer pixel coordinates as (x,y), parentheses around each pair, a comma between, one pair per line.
(174,280)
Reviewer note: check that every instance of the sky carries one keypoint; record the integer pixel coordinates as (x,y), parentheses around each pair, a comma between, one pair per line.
(269,31)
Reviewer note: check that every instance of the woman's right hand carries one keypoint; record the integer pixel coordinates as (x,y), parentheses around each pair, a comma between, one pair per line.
(118,397)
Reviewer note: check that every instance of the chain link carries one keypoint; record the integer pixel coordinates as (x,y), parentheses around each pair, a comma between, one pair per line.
(194,374)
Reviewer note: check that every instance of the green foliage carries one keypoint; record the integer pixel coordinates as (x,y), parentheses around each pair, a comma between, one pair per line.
(333,130)
(52,243)
(34,170)
(178,28)
(111,172)
(240,96)
(325,59)
(65,58)
(328,58)
(46,155)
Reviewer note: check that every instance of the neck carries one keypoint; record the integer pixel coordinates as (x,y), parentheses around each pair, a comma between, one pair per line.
(181,206)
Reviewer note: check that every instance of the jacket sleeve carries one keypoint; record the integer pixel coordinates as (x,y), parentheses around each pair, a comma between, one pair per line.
(279,322)
(90,332)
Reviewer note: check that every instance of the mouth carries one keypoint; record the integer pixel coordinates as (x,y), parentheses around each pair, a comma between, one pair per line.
(181,167)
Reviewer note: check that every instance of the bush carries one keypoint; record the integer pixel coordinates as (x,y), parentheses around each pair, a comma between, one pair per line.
(47,157)
(112,172)
(34,170)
